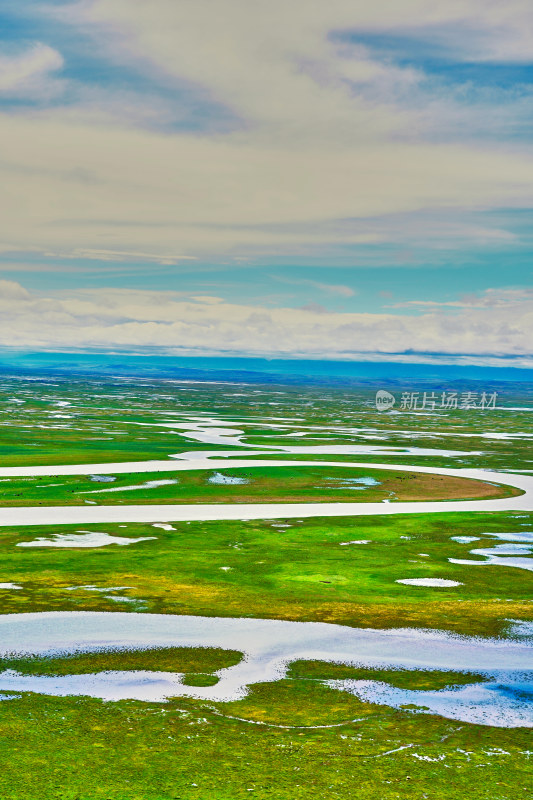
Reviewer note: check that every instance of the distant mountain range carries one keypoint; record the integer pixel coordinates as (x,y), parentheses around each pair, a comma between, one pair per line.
(262,370)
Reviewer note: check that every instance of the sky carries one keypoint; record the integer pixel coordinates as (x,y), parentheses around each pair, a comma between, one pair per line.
(300,179)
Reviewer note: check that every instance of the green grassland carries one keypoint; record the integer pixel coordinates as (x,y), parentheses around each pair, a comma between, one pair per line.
(187,748)
(263,485)
(296,737)
(194,662)
(31,446)
(300,572)
(403,679)
(189,660)
(83,749)
(102,423)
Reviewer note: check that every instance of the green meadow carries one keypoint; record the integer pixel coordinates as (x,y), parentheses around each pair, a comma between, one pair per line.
(84,749)
(251,485)
(297,737)
(301,570)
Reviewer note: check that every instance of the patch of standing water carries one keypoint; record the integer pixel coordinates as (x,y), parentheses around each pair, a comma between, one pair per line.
(268,647)
(83,539)
(518,545)
(10,586)
(118,599)
(365,481)
(465,539)
(435,582)
(226,480)
(517,536)
(473,703)
(354,483)
(145,485)
(97,588)
(356,541)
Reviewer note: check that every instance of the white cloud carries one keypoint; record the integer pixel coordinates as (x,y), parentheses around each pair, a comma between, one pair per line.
(330,288)
(334,288)
(324,132)
(489,299)
(278,65)
(125,255)
(11,290)
(172,322)
(29,74)
(78,188)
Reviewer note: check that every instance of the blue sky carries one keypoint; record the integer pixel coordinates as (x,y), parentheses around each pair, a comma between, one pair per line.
(367,168)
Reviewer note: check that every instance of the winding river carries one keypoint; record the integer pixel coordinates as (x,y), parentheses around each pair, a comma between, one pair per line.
(65,515)
(269,646)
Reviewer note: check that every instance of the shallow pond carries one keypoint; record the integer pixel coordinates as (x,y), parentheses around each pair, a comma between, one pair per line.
(268,647)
